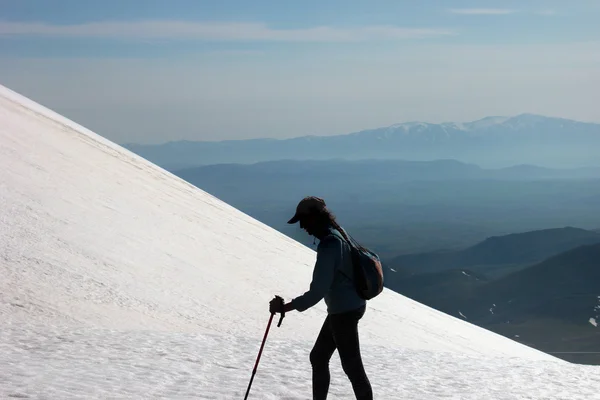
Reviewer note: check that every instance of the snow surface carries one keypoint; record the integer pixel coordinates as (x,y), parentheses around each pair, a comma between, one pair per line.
(120,280)
(408,126)
(486,122)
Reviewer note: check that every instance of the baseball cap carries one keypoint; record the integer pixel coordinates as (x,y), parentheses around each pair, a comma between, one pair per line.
(307,206)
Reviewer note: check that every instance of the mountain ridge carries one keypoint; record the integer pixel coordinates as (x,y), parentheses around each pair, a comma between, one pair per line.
(552,304)
(526,138)
(484,122)
(510,251)
(573,272)
(471,170)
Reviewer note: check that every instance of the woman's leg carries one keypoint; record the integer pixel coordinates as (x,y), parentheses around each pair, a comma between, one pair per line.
(319,359)
(345,334)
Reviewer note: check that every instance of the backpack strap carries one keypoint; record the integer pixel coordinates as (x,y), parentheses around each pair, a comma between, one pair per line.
(334,232)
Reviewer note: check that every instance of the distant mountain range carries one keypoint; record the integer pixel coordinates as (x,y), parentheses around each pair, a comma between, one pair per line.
(410,206)
(499,254)
(551,301)
(379,178)
(379,171)
(490,142)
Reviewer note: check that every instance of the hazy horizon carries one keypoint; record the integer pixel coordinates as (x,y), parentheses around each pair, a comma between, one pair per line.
(149,73)
(367,129)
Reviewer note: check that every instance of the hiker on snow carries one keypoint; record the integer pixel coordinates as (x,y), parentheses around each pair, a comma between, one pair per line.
(331,281)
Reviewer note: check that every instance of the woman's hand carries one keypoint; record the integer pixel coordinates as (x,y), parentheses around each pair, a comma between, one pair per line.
(276,305)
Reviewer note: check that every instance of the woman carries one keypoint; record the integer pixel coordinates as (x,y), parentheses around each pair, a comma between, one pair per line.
(331,281)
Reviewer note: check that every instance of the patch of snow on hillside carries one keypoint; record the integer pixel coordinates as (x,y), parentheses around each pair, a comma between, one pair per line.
(485,123)
(453,125)
(597,312)
(526,121)
(408,127)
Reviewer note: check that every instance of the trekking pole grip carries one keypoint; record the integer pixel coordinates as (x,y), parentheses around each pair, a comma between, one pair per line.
(282,310)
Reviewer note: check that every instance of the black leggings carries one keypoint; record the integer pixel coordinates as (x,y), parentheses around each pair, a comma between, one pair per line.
(340,331)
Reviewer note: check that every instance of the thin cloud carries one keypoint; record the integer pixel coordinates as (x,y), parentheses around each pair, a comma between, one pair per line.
(219,31)
(482,11)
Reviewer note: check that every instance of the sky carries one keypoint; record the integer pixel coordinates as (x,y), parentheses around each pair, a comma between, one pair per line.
(157,71)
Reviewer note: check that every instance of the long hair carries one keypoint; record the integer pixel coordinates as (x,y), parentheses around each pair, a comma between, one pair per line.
(327,217)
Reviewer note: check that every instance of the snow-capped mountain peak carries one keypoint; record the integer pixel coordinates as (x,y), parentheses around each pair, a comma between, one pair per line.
(407,126)
(485,123)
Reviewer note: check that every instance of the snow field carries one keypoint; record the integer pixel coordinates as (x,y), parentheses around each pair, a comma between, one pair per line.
(82,363)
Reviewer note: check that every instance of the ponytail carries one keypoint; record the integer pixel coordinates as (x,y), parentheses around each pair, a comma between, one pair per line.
(349,239)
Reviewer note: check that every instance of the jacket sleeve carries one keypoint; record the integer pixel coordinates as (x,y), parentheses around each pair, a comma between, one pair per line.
(328,257)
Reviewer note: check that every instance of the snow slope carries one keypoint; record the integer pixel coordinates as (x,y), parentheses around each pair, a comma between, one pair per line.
(120,280)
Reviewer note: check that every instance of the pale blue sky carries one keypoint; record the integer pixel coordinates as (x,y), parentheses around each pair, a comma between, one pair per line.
(154,71)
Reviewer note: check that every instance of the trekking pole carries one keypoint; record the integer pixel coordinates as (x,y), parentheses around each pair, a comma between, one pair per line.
(263,345)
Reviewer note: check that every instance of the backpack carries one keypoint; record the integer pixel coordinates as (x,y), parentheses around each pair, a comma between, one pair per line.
(366,268)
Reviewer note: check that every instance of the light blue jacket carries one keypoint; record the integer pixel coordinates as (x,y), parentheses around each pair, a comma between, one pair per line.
(328,281)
